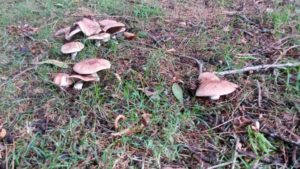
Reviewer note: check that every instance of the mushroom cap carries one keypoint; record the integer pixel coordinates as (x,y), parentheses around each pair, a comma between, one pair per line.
(83,78)
(72,47)
(62,79)
(72,32)
(62,31)
(207,76)
(89,27)
(114,28)
(90,66)
(100,36)
(215,88)
(107,22)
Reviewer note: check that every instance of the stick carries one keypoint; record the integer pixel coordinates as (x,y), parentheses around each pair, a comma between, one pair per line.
(199,63)
(237,143)
(259,93)
(246,69)
(220,165)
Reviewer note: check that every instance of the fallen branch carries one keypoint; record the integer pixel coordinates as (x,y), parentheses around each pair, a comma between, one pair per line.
(268,160)
(246,69)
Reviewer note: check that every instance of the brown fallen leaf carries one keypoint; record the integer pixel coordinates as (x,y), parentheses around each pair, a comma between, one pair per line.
(2,133)
(145,120)
(23,30)
(118,118)
(129,131)
(129,36)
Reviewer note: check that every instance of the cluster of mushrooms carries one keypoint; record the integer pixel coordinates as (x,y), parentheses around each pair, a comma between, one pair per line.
(213,87)
(97,31)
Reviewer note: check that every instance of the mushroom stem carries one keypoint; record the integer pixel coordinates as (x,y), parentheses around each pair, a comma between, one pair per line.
(78,85)
(73,55)
(98,43)
(214,97)
(64,82)
(96,76)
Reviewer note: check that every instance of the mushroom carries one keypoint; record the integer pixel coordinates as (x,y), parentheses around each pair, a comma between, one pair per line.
(211,86)
(72,32)
(129,35)
(114,28)
(72,48)
(91,66)
(207,76)
(104,37)
(107,22)
(62,31)
(62,80)
(89,27)
(78,85)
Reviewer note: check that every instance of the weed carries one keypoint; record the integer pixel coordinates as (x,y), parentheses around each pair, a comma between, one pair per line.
(259,143)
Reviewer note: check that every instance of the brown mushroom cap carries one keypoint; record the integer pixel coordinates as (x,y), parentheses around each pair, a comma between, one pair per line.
(215,88)
(62,79)
(72,47)
(107,22)
(83,78)
(100,36)
(207,76)
(114,28)
(90,66)
(62,31)
(89,27)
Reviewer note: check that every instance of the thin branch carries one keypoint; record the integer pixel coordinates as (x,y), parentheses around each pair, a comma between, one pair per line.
(199,63)
(246,69)
(220,165)
(237,144)
(259,93)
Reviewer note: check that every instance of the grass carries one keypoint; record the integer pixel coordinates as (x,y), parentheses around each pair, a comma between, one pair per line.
(51,128)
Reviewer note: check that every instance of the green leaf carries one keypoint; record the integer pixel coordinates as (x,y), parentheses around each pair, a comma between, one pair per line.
(178,93)
(55,63)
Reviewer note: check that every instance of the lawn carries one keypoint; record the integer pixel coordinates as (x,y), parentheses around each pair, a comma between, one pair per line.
(257,126)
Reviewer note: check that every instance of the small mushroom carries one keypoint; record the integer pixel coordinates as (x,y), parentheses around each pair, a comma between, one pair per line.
(89,27)
(102,37)
(72,48)
(62,80)
(114,28)
(79,84)
(91,66)
(215,89)
(62,31)
(211,86)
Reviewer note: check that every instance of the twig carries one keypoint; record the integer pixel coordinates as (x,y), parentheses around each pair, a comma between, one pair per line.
(285,52)
(220,165)
(237,143)
(283,138)
(199,63)
(267,160)
(246,69)
(217,126)
(16,76)
(259,93)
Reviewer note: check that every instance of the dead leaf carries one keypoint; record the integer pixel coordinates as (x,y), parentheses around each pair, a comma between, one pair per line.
(178,93)
(2,133)
(118,118)
(145,120)
(151,93)
(23,30)
(129,36)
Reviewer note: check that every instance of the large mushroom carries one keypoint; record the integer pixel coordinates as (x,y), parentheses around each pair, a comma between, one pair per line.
(91,66)
(89,27)
(62,80)
(72,48)
(211,86)
(107,22)
(73,31)
(102,37)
